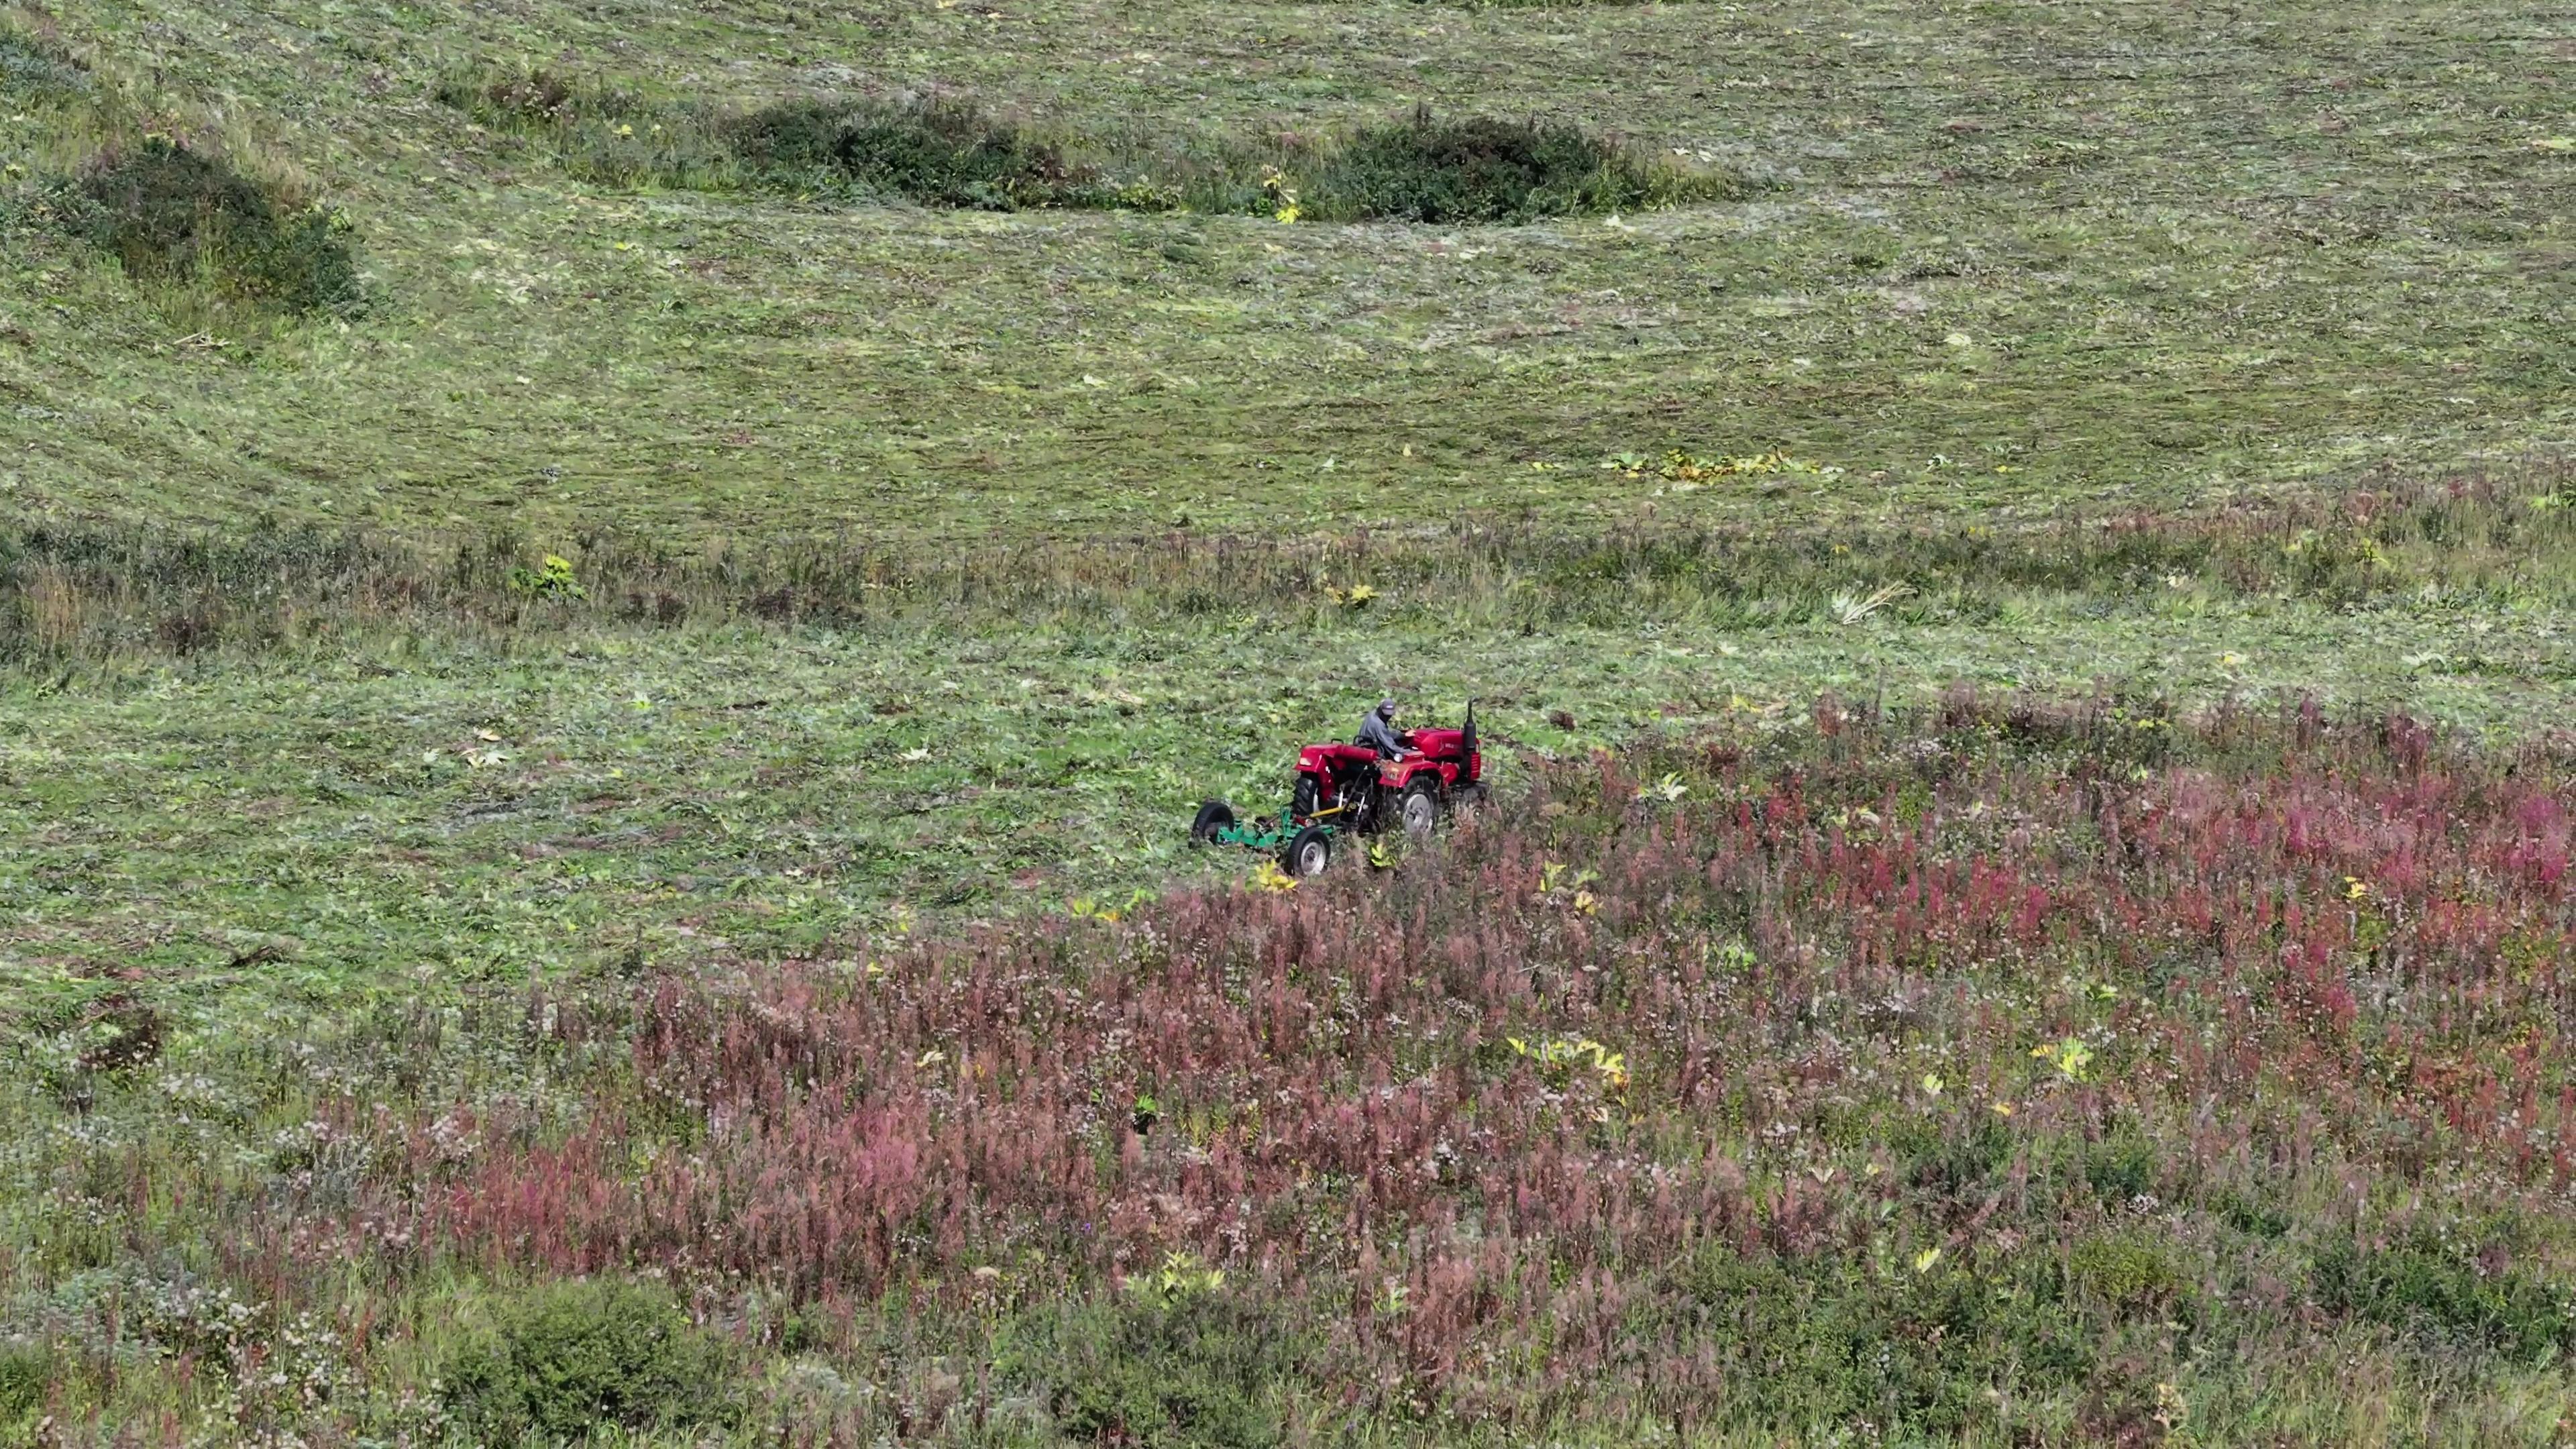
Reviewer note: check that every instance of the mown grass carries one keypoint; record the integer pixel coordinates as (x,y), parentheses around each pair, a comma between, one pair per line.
(2208,264)
(550,770)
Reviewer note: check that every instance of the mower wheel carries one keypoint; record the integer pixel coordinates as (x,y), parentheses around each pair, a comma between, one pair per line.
(1214,816)
(1419,808)
(1308,852)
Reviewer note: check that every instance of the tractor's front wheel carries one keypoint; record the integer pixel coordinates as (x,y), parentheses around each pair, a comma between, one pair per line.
(1420,808)
(1308,852)
(1214,816)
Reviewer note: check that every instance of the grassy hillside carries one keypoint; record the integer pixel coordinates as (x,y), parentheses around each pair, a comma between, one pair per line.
(610,615)
(2112,252)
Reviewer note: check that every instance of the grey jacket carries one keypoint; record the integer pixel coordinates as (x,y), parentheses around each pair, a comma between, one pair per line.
(1386,739)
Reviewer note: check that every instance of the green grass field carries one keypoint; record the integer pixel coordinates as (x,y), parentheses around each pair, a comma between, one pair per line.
(923,568)
(2126,255)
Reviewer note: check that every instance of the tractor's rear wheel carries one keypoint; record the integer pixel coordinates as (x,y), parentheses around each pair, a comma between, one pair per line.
(1214,816)
(1306,799)
(1420,808)
(1308,852)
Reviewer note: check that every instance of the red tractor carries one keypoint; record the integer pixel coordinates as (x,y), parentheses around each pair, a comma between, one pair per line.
(1348,788)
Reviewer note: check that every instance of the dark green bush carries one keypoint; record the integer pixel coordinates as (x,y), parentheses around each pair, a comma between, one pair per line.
(940,152)
(1481,169)
(2441,1295)
(168,212)
(563,1359)
(1206,1370)
(35,70)
(25,1370)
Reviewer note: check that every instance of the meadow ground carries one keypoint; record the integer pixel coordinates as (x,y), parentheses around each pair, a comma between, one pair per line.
(2125,253)
(1927,976)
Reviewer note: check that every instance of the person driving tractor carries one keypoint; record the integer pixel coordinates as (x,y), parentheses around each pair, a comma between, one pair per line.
(1378,732)
(1384,777)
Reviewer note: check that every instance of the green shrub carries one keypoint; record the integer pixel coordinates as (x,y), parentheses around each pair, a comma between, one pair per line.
(2248,1212)
(2122,1165)
(33,70)
(940,152)
(1481,169)
(168,212)
(2441,1295)
(1204,1369)
(25,1370)
(553,579)
(2123,1270)
(1954,1157)
(563,1359)
(1809,1344)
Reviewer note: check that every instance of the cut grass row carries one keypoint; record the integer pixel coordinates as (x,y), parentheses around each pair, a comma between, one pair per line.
(2484,542)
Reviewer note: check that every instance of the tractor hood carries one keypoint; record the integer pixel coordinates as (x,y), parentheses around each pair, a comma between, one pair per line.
(1441,744)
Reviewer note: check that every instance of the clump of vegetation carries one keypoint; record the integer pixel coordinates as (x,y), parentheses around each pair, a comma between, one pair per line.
(940,151)
(2444,1296)
(602,132)
(950,151)
(533,98)
(551,579)
(1155,1367)
(567,1358)
(24,1371)
(169,212)
(1811,1342)
(2123,1270)
(34,70)
(1484,169)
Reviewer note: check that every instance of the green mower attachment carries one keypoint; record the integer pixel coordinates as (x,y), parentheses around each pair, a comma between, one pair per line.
(1304,850)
